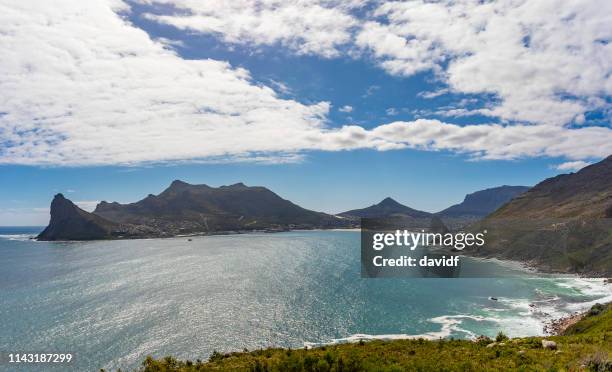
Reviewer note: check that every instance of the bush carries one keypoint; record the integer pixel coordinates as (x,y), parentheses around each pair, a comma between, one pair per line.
(501,337)
(483,340)
(598,362)
(215,356)
(596,310)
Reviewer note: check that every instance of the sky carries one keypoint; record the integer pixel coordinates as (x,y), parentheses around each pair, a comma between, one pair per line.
(333,105)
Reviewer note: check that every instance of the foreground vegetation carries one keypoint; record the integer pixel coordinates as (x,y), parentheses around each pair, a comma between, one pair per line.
(584,346)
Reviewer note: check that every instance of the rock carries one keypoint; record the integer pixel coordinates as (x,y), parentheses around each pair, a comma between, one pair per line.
(493,298)
(69,222)
(493,344)
(521,352)
(551,345)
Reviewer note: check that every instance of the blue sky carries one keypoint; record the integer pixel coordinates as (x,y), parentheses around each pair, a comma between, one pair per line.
(331,117)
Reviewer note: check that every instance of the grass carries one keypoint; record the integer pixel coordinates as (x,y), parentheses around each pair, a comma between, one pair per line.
(584,346)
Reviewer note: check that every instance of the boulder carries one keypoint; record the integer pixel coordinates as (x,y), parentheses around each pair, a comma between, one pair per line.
(550,345)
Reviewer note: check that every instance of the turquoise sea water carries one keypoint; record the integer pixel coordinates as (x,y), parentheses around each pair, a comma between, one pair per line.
(113,302)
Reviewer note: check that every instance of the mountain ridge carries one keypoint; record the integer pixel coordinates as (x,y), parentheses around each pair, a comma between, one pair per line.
(586,193)
(482,202)
(183,208)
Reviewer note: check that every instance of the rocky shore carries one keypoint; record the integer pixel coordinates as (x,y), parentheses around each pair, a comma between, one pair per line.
(556,327)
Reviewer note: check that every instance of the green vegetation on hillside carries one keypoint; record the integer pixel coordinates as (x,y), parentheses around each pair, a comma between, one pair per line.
(562,224)
(584,346)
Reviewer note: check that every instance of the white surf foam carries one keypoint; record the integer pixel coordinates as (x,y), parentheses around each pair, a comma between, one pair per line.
(518,317)
(16,236)
(449,324)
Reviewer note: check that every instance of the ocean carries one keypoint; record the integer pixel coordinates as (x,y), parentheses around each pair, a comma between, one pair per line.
(110,303)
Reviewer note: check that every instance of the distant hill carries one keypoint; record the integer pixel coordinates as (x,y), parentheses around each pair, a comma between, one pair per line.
(483,202)
(386,208)
(561,224)
(474,207)
(187,209)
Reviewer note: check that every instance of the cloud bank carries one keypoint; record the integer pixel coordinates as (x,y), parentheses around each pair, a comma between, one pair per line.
(80,85)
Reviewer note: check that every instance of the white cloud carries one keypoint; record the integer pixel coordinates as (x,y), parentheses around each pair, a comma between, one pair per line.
(492,141)
(371,90)
(346,108)
(280,86)
(548,61)
(391,111)
(572,165)
(433,94)
(308,27)
(170,43)
(81,86)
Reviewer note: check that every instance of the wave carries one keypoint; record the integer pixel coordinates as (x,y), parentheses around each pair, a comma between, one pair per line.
(596,291)
(449,324)
(21,237)
(517,317)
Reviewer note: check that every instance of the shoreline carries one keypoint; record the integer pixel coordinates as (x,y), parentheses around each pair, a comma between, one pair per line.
(199,234)
(557,326)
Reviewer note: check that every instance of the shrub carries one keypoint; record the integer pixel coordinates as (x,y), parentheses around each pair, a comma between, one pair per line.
(501,337)
(598,362)
(596,310)
(215,356)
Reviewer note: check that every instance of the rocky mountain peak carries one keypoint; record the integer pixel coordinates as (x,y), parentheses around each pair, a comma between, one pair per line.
(389,202)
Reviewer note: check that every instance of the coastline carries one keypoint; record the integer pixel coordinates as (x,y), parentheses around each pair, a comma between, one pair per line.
(199,234)
(556,327)
(515,304)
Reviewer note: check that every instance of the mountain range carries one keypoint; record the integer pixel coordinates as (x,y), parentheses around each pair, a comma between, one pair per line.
(474,207)
(185,209)
(200,209)
(563,224)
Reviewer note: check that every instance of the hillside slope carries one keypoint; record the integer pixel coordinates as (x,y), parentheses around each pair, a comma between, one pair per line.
(586,193)
(562,224)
